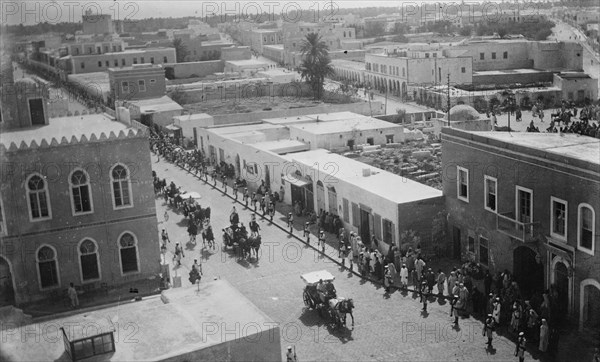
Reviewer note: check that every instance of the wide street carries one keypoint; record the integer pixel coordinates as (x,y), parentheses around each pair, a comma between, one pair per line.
(386,327)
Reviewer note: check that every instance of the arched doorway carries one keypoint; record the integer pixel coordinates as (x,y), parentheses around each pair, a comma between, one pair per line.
(238,171)
(310,198)
(560,281)
(528,271)
(320,197)
(331,193)
(7,291)
(589,308)
(267,177)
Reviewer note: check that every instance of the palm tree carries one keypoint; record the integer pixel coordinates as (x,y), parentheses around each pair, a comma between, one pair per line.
(316,65)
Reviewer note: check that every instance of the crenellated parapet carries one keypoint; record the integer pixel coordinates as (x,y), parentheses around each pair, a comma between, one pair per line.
(95,137)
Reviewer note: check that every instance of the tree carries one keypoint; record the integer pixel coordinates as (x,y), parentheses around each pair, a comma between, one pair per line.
(374,28)
(181,50)
(316,65)
(400,38)
(466,31)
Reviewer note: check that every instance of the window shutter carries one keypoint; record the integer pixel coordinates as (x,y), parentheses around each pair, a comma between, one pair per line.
(355,215)
(346,211)
(393,231)
(377,226)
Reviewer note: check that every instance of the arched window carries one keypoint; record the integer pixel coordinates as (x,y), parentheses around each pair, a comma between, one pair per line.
(47,267)
(128,253)
(121,187)
(88,260)
(586,228)
(80,192)
(37,193)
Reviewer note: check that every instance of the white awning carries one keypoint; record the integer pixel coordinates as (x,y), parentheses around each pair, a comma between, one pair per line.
(296,180)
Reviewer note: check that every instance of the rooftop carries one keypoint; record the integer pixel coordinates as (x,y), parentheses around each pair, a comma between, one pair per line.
(162,330)
(325,117)
(246,62)
(65,127)
(360,66)
(274,46)
(574,75)
(162,104)
(509,71)
(381,183)
(233,129)
(193,117)
(569,145)
(282,146)
(358,123)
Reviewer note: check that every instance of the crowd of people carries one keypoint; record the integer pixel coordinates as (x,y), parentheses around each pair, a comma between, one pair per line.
(497,299)
(565,120)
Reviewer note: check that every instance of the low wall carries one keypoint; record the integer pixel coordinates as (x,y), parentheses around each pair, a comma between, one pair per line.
(198,69)
(360,108)
(263,346)
(419,116)
(511,78)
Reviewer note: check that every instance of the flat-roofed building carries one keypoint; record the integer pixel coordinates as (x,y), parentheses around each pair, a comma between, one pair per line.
(529,203)
(368,200)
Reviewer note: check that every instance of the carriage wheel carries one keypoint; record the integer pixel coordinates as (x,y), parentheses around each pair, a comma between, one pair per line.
(308,301)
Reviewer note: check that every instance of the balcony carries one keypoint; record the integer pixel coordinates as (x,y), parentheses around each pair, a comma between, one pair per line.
(507,224)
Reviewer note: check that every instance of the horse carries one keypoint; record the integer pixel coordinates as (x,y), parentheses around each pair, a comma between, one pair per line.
(252,244)
(342,306)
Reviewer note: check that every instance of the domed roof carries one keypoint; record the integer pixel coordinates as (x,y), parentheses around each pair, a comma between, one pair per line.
(464,113)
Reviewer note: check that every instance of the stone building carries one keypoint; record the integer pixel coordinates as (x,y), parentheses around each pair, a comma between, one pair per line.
(77,201)
(528,203)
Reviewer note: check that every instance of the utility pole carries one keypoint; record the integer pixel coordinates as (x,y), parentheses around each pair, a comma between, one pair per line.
(386,91)
(448,100)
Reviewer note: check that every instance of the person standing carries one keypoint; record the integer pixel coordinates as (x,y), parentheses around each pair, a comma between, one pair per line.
(306,233)
(165,237)
(488,329)
(290,355)
(387,280)
(290,221)
(424,287)
(178,254)
(453,309)
(322,241)
(496,310)
(246,197)
(271,210)
(544,336)
(404,276)
(235,190)
(73,296)
(441,280)
(521,347)
(350,257)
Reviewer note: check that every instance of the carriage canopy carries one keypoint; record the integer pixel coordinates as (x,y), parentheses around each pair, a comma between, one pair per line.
(313,278)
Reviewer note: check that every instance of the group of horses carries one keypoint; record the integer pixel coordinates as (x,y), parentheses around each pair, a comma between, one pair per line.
(329,306)
(236,236)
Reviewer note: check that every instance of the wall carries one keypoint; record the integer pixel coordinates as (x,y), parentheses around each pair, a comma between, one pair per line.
(196,69)
(360,108)
(64,231)
(475,125)
(272,53)
(511,78)
(556,56)
(588,85)
(91,61)
(421,217)
(518,55)
(529,168)
(154,81)
(236,53)
(333,141)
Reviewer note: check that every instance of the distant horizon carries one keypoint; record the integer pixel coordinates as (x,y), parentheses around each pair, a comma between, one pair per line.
(31,13)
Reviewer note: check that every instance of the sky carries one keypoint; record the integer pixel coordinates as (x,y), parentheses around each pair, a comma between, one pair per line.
(30,12)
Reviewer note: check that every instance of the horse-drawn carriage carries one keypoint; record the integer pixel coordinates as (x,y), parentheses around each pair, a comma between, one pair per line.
(236,236)
(320,294)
